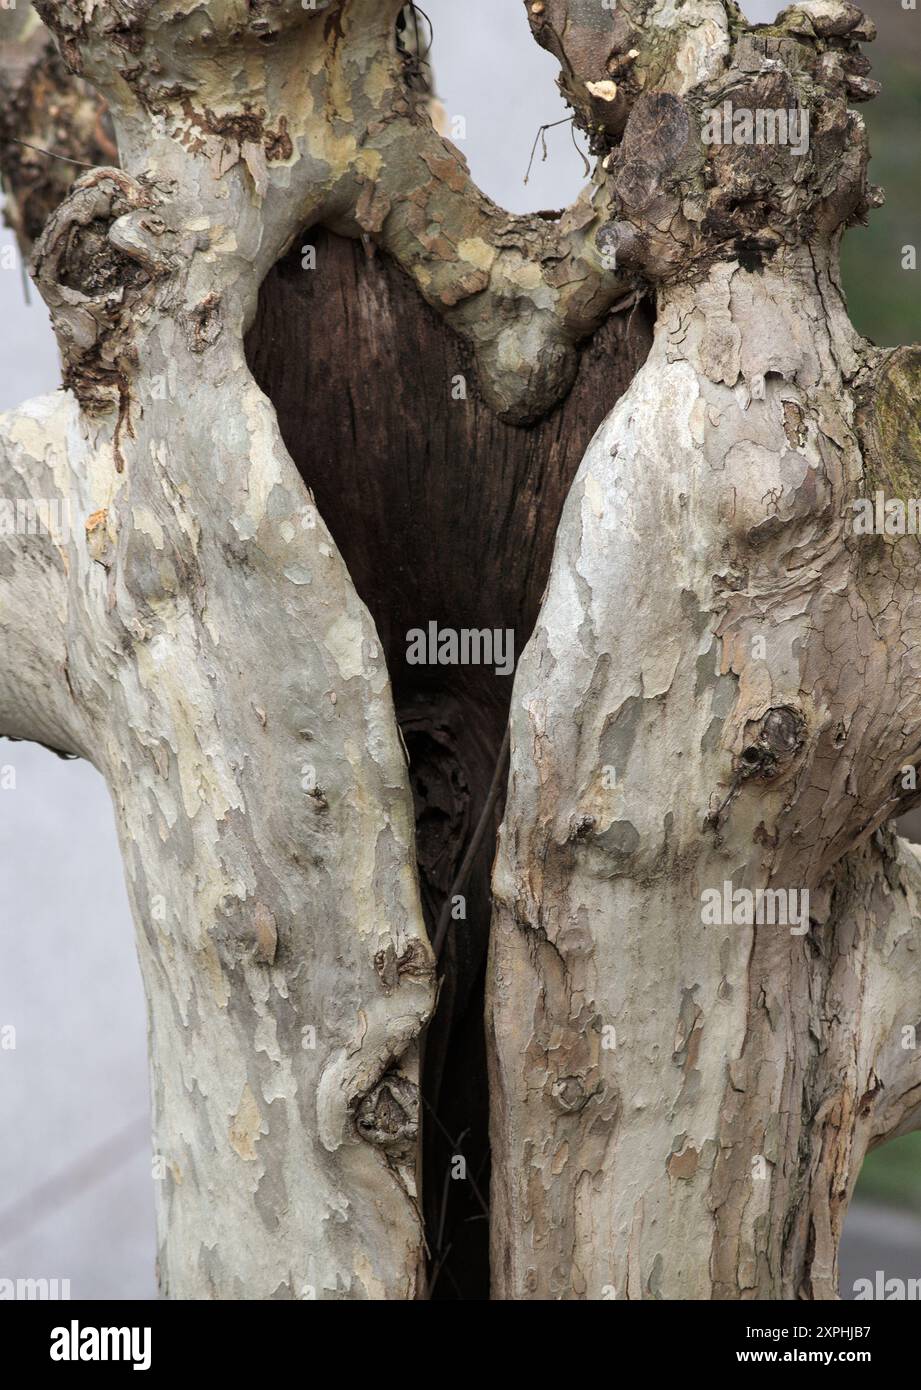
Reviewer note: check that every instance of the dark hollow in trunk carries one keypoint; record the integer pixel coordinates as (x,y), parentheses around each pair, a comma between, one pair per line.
(443,514)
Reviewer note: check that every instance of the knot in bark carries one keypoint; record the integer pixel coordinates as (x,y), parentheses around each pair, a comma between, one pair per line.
(388,1115)
(94,284)
(778,739)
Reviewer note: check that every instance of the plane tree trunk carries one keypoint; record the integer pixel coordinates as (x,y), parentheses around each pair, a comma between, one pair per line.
(722,691)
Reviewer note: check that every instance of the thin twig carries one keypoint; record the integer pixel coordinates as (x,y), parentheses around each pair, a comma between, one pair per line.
(439,1266)
(580,153)
(455,1145)
(640,296)
(543,141)
(495,786)
(457,1287)
(443,1214)
(627,300)
(50,153)
(540,136)
(417,9)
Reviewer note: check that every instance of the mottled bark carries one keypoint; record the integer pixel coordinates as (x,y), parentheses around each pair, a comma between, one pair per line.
(207,651)
(723,686)
(151,272)
(221,671)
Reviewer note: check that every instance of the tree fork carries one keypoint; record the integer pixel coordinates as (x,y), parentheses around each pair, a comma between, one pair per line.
(440,509)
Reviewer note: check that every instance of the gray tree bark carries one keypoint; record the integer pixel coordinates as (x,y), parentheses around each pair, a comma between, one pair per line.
(721,687)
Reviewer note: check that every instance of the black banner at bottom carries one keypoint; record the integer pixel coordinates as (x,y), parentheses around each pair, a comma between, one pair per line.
(160,1338)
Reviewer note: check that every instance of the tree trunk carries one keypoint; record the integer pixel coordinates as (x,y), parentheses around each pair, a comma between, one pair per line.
(424,494)
(267,475)
(681,1104)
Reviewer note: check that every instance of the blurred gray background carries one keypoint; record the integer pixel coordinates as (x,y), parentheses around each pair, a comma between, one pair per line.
(76,1191)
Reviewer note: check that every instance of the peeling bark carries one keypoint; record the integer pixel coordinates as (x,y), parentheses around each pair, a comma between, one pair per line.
(260,788)
(245,779)
(248,890)
(722,688)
